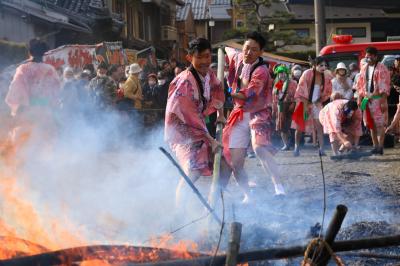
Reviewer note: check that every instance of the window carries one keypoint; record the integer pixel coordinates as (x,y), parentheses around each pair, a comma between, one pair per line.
(141,25)
(149,28)
(129,22)
(118,7)
(346,58)
(359,32)
(302,33)
(239,23)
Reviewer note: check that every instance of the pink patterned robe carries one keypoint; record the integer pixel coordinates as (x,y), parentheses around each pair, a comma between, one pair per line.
(33,85)
(302,94)
(258,103)
(332,118)
(284,118)
(185,126)
(381,86)
(33,95)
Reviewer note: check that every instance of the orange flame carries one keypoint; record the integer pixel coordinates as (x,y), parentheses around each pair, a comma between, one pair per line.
(26,231)
(19,217)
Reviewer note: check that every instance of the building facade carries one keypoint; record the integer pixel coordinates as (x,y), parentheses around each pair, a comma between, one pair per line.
(149,23)
(58,22)
(366,21)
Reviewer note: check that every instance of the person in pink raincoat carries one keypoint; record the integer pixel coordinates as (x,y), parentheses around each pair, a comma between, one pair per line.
(373,87)
(313,90)
(341,119)
(193,94)
(283,98)
(251,117)
(34,94)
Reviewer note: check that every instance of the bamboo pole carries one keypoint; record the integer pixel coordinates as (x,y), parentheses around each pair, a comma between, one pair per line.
(282,253)
(192,186)
(234,244)
(79,254)
(215,185)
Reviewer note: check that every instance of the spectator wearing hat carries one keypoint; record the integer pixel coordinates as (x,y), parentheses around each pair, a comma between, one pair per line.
(342,84)
(162,87)
(150,100)
(68,74)
(132,88)
(150,91)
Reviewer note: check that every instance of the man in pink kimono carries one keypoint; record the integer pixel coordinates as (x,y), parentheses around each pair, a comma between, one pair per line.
(251,117)
(283,90)
(373,87)
(193,94)
(34,93)
(341,119)
(313,90)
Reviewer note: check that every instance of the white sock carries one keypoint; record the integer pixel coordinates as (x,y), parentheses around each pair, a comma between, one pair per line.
(279,190)
(245,198)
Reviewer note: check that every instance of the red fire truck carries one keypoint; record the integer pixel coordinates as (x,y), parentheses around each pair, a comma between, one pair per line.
(347,52)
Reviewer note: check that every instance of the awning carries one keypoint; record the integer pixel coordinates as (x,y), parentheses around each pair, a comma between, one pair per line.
(45,14)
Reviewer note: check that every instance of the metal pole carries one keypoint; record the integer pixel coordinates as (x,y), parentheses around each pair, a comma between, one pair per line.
(320,27)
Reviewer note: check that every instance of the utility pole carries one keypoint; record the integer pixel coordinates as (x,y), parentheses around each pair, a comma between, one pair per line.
(320,27)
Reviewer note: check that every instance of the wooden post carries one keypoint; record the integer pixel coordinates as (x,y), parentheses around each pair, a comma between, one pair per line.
(320,27)
(331,232)
(234,244)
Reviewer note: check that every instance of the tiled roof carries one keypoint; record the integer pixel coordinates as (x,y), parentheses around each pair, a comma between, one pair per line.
(77,6)
(182,12)
(221,2)
(306,12)
(219,12)
(84,12)
(271,10)
(36,10)
(199,9)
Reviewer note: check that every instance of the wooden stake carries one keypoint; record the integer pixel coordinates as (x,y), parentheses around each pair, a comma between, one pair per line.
(234,244)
